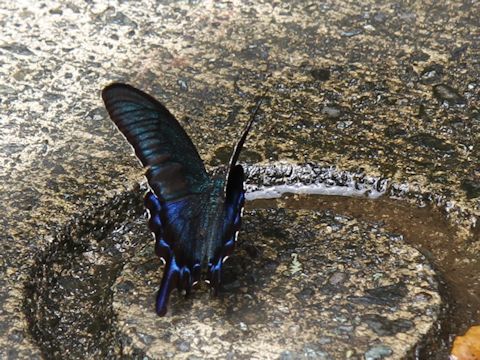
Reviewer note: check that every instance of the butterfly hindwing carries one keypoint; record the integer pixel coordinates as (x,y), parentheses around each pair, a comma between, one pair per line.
(230,225)
(176,226)
(234,193)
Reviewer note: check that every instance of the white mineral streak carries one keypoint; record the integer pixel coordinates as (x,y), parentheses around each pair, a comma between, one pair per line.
(309,179)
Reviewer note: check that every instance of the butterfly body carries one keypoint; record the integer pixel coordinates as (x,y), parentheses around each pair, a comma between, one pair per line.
(193,217)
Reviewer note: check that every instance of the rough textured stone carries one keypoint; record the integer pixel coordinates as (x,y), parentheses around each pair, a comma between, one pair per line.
(264,318)
(61,159)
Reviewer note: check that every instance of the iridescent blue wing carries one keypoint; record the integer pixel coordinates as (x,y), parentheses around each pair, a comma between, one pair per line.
(177,178)
(174,168)
(176,226)
(233,207)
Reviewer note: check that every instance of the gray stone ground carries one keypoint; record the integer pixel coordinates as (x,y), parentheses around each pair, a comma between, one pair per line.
(391,88)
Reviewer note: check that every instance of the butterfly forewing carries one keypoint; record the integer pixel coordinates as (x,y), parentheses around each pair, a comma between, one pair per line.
(176,176)
(174,166)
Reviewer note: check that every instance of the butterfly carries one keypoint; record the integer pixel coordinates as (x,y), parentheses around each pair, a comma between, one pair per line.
(194,217)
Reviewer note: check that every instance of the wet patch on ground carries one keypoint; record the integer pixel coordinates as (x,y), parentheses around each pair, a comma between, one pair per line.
(301,283)
(427,229)
(68,298)
(315,281)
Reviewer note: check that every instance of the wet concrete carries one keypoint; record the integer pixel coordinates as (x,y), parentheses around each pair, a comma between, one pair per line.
(324,287)
(389,90)
(328,286)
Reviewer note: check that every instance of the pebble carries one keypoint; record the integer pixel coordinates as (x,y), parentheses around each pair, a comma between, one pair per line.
(378,352)
(337,278)
(183,346)
(332,112)
(448,94)
(321,74)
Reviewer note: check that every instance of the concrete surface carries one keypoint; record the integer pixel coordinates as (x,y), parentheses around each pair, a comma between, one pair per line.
(387,89)
(325,286)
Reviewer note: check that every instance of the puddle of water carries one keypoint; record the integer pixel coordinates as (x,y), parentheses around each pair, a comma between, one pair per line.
(425,228)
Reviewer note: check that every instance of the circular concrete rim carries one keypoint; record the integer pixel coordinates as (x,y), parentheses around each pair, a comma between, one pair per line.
(134,193)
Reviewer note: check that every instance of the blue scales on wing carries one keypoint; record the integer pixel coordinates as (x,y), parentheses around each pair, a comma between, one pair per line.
(174,168)
(195,219)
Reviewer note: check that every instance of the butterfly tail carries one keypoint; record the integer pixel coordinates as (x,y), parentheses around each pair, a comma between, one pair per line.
(170,280)
(185,282)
